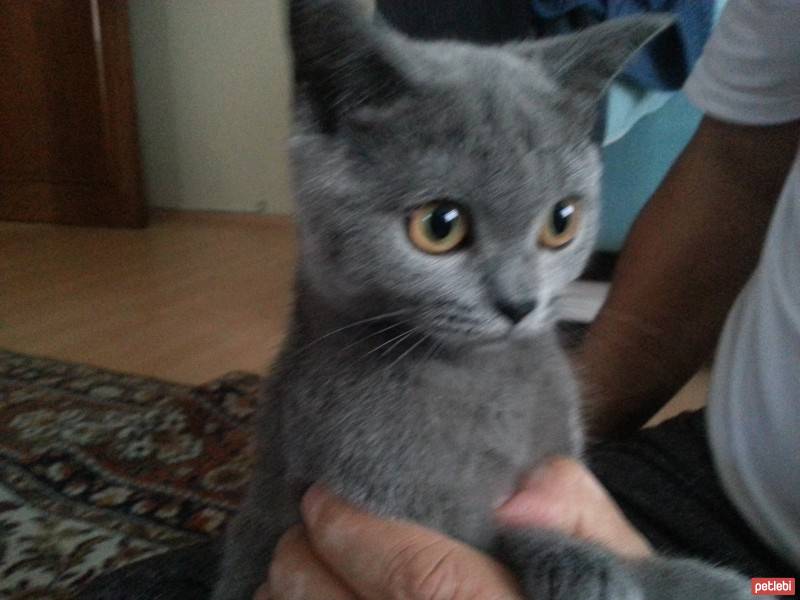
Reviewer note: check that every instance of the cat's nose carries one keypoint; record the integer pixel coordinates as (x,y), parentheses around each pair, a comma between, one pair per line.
(516,311)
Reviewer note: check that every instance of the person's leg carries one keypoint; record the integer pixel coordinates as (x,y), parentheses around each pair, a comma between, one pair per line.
(187,573)
(663,479)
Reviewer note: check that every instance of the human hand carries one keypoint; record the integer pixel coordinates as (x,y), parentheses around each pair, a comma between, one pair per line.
(343,554)
(564,495)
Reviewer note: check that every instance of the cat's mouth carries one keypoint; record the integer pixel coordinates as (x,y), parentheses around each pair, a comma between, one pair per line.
(493,336)
(475,328)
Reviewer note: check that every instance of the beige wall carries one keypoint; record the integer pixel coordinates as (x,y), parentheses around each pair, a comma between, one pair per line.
(212,90)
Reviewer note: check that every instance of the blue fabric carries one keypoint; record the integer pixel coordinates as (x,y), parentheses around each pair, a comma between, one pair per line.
(635,165)
(665,63)
(627,102)
(645,130)
(625,105)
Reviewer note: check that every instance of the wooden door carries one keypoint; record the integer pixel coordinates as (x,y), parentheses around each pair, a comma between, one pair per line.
(68,147)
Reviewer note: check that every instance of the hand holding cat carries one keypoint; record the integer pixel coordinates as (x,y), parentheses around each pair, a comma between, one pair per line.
(344,554)
(564,495)
(362,556)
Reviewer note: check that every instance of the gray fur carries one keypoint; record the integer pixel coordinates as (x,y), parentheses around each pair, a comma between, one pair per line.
(401,385)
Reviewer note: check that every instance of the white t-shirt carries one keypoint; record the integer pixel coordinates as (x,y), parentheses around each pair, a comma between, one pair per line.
(750,74)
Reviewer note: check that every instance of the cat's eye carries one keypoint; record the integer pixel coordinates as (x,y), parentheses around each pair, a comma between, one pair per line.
(561,224)
(438,227)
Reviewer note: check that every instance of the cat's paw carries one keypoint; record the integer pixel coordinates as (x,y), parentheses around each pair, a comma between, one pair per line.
(664,578)
(553,567)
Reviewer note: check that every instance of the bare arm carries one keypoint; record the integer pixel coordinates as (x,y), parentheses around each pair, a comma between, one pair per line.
(688,255)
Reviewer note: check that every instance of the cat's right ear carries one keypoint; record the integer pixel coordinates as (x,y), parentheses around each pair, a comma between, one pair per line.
(342,60)
(584,63)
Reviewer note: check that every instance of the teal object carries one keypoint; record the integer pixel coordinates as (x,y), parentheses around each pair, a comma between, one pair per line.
(635,164)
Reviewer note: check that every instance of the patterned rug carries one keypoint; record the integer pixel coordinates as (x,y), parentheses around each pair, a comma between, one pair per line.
(100,469)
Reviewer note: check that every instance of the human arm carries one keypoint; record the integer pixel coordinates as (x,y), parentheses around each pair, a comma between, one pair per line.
(688,255)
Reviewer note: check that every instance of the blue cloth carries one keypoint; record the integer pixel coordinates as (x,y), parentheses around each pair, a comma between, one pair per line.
(665,63)
(627,102)
(636,163)
(645,130)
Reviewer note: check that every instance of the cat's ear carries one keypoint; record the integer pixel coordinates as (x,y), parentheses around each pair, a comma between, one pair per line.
(584,63)
(342,59)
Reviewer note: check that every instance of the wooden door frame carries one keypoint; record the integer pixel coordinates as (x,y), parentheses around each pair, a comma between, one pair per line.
(119,201)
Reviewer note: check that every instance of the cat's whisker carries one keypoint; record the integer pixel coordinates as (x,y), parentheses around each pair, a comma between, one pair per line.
(380,331)
(424,315)
(350,326)
(388,351)
(397,339)
(410,349)
(362,321)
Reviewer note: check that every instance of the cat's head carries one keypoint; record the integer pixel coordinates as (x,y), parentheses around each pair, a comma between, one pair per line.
(455,182)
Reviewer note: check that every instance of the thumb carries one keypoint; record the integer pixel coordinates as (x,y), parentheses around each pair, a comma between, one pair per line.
(565,496)
(380,559)
(554,496)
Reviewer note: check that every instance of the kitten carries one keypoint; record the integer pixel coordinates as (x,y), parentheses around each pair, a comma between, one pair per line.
(446,195)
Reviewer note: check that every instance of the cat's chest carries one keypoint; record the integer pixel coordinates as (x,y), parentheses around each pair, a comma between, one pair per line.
(440,430)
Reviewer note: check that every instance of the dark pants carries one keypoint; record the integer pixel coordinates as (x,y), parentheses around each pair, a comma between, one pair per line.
(662,478)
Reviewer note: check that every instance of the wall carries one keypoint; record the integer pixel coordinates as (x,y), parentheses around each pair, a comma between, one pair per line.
(212,92)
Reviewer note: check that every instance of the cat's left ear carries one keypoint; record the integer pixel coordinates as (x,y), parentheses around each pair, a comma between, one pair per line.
(584,63)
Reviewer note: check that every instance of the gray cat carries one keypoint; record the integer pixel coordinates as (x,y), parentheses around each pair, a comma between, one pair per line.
(446,195)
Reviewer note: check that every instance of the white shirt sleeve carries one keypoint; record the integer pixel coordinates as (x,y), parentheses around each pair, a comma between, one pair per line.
(749,72)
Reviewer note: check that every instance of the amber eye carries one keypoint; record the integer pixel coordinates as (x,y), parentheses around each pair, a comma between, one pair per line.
(438,227)
(561,225)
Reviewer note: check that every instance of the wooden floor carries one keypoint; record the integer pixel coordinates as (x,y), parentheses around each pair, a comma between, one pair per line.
(190,298)
(187,299)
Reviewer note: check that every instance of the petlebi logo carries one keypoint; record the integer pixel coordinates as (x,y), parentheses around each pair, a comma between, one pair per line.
(772,586)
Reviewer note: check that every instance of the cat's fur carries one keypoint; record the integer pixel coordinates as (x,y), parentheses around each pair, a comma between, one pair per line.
(401,385)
